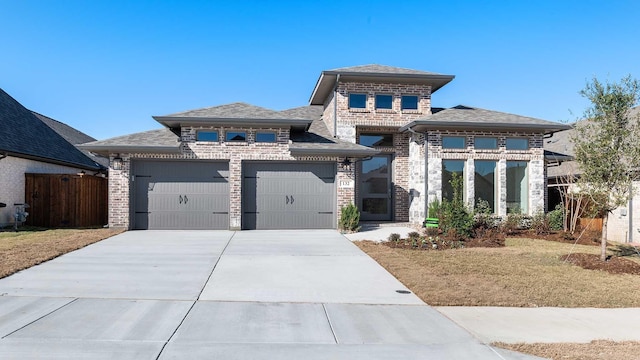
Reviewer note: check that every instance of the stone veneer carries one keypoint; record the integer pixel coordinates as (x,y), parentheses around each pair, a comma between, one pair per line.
(235,153)
(534,155)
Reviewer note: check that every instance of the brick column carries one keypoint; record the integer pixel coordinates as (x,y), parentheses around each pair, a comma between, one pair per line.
(235,193)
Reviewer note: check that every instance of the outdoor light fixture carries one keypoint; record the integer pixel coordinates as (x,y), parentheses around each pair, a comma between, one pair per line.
(346,164)
(116,163)
(82,173)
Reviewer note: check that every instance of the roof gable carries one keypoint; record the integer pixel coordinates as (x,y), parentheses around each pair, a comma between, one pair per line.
(23,134)
(380,69)
(377,74)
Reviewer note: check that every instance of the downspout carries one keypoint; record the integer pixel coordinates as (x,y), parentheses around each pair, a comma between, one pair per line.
(335,107)
(630,217)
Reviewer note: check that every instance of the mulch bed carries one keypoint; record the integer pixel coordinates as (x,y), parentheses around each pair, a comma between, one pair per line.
(613,265)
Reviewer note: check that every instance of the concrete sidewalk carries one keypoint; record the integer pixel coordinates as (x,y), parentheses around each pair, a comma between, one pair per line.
(229,295)
(546,324)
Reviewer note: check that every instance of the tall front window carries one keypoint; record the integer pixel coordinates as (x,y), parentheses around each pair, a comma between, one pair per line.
(517,187)
(449,168)
(485,182)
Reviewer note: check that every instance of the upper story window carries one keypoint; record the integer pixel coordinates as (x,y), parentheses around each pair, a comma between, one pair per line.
(267,137)
(409,102)
(517,144)
(357,101)
(236,136)
(376,139)
(453,142)
(384,102)
(486,142)
(207,135)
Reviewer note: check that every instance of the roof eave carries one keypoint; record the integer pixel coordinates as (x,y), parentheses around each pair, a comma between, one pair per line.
(327,80)
(332,152)
(173,122)
(422,126)
(52,161)
(110,149)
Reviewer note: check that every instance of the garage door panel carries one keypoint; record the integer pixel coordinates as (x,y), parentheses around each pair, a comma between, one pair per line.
(289,195)
(181,195)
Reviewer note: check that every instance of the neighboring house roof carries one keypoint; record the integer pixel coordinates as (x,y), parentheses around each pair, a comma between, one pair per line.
(374,73)
(465,117)
(233,114)
(562,145)
(157,141)
(23,134)
(73,136)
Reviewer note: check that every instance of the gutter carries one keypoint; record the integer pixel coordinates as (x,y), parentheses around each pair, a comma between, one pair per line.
(335,107)
(3,155)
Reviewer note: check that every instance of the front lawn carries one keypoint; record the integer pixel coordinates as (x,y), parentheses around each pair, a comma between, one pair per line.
(23,249)
(526,272)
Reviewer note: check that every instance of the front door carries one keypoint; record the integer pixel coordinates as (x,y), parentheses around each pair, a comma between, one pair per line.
(375,188)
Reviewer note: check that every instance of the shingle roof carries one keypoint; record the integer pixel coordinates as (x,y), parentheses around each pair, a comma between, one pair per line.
(375,73)
(160,140)
(465,117)
(311,112)
(238,110)
(318,141)
(23,134)
(380,69)
(73,136)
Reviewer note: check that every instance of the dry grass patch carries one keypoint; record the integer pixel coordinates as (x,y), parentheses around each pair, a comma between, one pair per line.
(595,350)
(525,273)
(21,250)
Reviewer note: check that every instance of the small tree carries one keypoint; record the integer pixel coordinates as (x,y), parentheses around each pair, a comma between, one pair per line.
(607,146)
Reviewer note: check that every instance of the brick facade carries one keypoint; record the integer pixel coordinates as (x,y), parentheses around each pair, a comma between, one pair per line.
(534,156)
(233,152)
(353,122)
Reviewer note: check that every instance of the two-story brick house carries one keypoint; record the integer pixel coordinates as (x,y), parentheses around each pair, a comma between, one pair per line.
(369,137)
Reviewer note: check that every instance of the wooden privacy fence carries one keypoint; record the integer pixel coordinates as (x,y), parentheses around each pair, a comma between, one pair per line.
(64,200)
(591,224)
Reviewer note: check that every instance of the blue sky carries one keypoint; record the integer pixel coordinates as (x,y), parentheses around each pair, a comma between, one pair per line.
(105,67)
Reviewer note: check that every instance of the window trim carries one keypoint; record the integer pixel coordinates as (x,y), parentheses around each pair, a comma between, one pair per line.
(464,142)
(198,132)
(226,136)
(375,134)
(275,137)
(475,145)
(407,109)
(506,143)
(365,101)
(381,108)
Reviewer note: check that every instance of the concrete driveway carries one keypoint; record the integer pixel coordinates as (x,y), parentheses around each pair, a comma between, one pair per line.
(228,295)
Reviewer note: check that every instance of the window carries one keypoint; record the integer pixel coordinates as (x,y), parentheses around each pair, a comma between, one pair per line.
(485,182)
(449,168)
(517,144)
(453,142)
(384,102)
(268,137)
(517,187)
(409,102)
(236,136)
(357,101)
(376,139)
(486,143)
(207,136)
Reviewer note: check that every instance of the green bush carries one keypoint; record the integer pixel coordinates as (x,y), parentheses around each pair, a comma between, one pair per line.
(395,237)
(556,218)
(455,215)
(349,218)
(434,209)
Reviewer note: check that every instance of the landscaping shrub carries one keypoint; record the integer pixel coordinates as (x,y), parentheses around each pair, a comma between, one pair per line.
(455,215)
(540,224)
(434,209)
(394,237)
(349,218)
(556,218)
